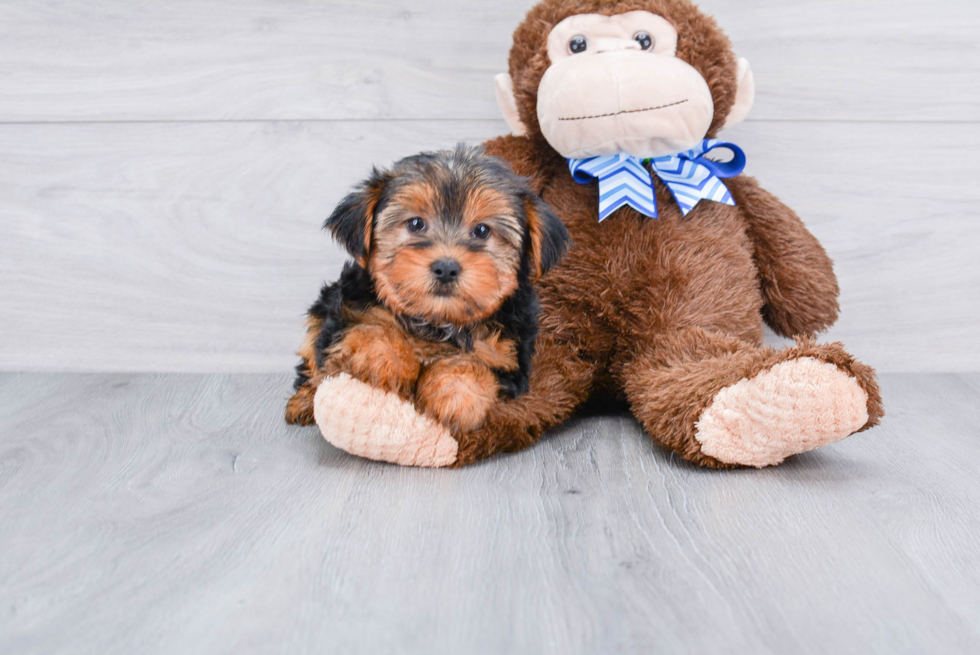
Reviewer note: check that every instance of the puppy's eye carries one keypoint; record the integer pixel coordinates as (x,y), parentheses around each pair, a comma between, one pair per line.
(481,231)
(577,44)
(644,39)
(415,225)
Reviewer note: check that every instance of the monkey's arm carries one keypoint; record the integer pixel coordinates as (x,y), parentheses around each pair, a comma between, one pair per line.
(798,282)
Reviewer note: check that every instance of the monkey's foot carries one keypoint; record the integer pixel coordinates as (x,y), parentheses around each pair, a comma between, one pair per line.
(378,425)
(793,407)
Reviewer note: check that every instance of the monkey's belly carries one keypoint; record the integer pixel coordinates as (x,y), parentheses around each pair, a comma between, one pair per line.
(634,276)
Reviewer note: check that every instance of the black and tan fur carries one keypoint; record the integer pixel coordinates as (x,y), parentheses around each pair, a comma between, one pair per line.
(449,347)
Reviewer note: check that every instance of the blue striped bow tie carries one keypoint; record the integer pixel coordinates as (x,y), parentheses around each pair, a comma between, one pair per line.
(623,180)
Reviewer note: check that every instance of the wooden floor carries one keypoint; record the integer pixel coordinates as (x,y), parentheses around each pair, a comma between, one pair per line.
(144,513)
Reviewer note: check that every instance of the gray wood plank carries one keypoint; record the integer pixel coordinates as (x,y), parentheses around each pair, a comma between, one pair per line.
(268,59)
(196,247)
(176,513)
(908,507)
(972,379)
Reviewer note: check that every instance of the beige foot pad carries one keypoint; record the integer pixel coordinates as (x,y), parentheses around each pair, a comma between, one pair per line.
(374,424)
(793,407)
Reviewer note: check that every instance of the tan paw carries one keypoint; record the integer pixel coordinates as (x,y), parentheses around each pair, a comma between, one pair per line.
(379,357)
(371,423)
(457,392)
(789,409)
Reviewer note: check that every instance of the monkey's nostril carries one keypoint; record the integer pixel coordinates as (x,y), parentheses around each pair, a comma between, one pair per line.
(446,270)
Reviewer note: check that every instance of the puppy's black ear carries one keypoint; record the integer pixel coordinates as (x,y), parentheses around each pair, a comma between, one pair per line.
(352,221)
(547,234)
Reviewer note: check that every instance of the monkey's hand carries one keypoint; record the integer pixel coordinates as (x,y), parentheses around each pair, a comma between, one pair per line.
(798,282)
(368,422)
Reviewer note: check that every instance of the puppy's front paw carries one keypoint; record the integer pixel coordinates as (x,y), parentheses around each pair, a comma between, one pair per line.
(380,358)
(458,392)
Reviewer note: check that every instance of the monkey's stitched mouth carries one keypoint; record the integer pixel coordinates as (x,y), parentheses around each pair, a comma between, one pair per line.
(625,111)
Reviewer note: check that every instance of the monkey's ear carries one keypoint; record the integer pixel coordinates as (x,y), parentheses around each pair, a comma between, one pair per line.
(352,221)
(548,235)
(508,104)
(744,97)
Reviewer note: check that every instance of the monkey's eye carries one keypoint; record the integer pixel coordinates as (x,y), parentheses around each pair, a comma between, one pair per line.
(577,44)
(415,225)
(481,231)
(644,40)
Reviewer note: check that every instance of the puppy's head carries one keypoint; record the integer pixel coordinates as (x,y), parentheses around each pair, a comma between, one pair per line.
(448,236)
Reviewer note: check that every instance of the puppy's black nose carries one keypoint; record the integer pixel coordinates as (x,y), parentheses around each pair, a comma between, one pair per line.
(446,270)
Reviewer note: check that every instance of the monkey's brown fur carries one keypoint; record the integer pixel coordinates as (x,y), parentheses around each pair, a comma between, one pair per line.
(660,313)
(664,314)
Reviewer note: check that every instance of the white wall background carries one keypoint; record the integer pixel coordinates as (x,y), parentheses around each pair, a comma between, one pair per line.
(165,166)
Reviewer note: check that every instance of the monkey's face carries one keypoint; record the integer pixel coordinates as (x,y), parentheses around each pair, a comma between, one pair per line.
(615,85)
(651,81)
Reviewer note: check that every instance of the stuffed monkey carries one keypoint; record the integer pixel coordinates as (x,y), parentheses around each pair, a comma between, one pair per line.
(677,259)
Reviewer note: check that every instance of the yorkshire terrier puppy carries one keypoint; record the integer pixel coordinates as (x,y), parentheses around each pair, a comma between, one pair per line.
(438,304)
